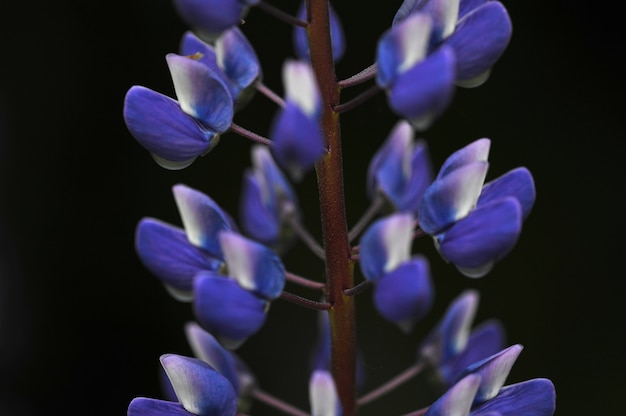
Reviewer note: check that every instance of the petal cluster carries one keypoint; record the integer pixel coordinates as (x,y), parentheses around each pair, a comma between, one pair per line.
(403,291)
(475,224)
(268,201)
(478,32)
(230,278)
(297,139)
(200,390)
(212,17)
(400,170)
(479,391)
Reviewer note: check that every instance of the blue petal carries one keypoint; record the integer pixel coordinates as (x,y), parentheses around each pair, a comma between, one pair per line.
(254,266)
(467,6)
(226,310)
(385,245)
(202,218)
(191,45)
(517,183)
(389,169)
(337,38)
(480,39)
(423,92)
(405,295)
(401,48)
(452,197)
(493,372)
(238,60)
(301,88)
(534,397)
(485,340)
(257,219)
(458,400)
(211,16)
(321,356)
(451,335)
(199,388)
(167,253)
(484,236)
(159,125)
(201,92)
(477,151)
(323,395)
(421,177)
(209,350)
(297,141)
(142,406)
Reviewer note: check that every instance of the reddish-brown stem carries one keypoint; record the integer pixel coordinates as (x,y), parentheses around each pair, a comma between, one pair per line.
(329,171)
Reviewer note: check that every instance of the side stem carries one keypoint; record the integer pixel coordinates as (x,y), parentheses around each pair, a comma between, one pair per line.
(329,171)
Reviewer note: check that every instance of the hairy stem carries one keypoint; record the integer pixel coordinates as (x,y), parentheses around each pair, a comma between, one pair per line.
(329,170)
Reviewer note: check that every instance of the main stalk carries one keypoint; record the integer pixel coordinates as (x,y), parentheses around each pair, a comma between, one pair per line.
(329,170)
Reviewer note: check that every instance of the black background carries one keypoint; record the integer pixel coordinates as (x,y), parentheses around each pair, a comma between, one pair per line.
(82,323)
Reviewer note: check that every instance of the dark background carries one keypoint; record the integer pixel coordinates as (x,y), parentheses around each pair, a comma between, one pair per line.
(82,323)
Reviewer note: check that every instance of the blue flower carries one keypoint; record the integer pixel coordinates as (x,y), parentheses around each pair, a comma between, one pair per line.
(175,255)
(232,58)
(479,391)
(200,390)
(403,291)
(212,17)
(176,132)
(475,224)
(232,307)
(419,85)
(400,169)
(478,31)
(453,345)
(267,201)
(297,139)
(337,38)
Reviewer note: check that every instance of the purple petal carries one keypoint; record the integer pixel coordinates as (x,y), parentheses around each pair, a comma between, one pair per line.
(444,14)
(321,353)
(423,92)
(385,245)
(493,372)
(226,310)
(402,48)
(142,406)
(199,388)
(452,333)
(297,141)
(201,92)
(238,60)
(452,197)
(534,397)
(208,349)
(168,254)
(254,266)
(485,340)
(405,295)
(477,151)
(458,400)
(483,237)
(202,218)
(389,168)
(158,124)
(211,16)
(517,183)
(323,394)
(337,38)
(301,88)
(480,39)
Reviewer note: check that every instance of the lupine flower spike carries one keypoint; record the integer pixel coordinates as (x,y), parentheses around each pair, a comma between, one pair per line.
(231,277)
